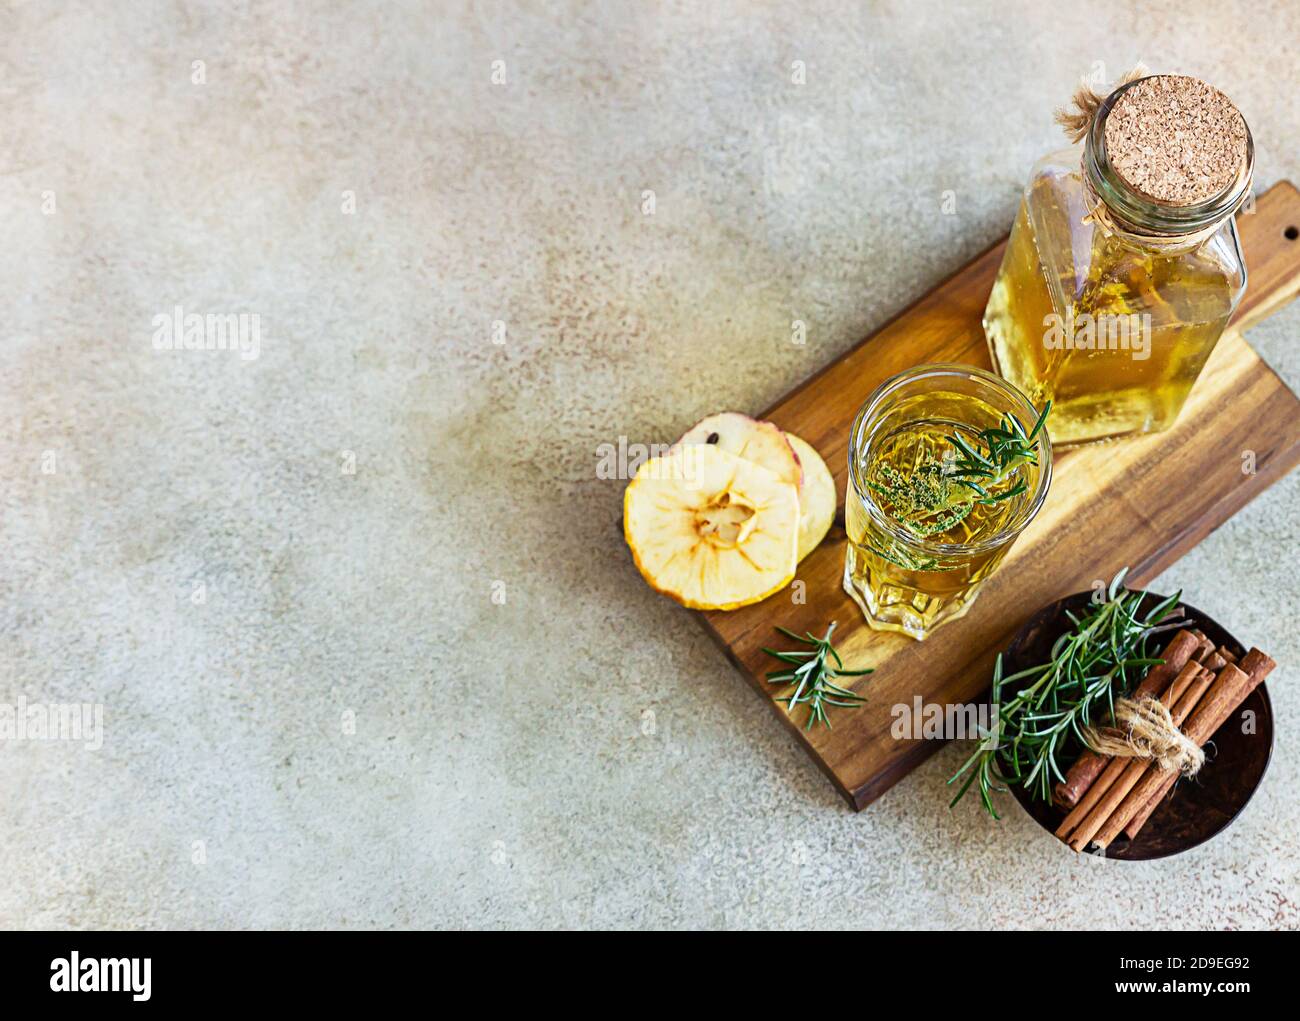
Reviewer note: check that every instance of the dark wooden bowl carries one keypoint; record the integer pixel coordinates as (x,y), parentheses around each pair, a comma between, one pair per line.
(1197,809)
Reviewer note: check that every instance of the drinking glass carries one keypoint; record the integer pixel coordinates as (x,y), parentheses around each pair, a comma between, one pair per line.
(911,567)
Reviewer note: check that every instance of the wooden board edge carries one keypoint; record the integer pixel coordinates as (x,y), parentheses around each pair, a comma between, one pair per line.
(757,683)
(918,753)
(1254,308)
(1272,470)
(808,381)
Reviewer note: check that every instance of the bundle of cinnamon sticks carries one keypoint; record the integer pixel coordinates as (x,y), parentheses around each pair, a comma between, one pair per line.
(1201,686)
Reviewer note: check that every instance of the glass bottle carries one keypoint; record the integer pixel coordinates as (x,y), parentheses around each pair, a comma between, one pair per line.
(1119,278)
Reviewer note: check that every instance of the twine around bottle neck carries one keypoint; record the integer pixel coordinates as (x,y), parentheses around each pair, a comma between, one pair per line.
(1100,215)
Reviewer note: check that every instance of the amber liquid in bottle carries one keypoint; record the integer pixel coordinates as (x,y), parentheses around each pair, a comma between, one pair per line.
(1155,316)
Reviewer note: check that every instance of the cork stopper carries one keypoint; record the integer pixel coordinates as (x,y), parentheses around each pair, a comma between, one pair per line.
(1175,140)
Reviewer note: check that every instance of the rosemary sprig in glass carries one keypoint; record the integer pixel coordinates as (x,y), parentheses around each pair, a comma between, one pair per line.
(814,677)
(939,494)
(1041,711)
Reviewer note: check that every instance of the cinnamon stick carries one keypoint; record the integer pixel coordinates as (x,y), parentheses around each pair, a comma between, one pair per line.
(1229,690)
(1259,669)
(1191,698)
(1140,818)
(1132,771)
(1090,765)
(1116,766)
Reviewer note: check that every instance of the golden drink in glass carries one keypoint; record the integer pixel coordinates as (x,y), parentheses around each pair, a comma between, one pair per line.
(920,541)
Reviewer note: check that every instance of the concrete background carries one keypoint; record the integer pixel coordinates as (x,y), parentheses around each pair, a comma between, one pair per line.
(314,712)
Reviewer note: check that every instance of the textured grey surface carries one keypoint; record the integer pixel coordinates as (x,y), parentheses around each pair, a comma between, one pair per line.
(579,755)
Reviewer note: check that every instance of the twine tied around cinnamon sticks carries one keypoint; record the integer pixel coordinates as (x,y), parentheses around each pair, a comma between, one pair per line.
(1112,791)
(1144,728)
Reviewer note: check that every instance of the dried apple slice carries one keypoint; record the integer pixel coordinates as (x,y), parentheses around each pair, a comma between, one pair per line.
(748,438)
(816,497)
(711,530)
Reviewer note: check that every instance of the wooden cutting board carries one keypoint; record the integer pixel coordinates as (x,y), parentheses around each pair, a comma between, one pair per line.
(1140,502)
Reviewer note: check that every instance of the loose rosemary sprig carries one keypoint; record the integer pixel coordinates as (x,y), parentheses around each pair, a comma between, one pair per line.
(1047,706)
(814,677)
